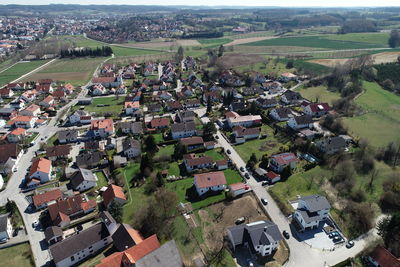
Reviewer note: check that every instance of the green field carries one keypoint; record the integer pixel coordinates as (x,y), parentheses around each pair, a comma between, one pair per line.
(318,94)
(380,38)
(19,255)
(381,122)
(314,41)
(214,42)
(19,69)
(115,105)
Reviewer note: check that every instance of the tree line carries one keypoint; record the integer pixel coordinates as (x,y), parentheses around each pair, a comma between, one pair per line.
(104,51)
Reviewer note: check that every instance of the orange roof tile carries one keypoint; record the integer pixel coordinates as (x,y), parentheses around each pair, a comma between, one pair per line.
(18,131)
(42,165)
(113,191)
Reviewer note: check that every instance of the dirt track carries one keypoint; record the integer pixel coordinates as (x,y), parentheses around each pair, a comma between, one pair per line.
(248,40)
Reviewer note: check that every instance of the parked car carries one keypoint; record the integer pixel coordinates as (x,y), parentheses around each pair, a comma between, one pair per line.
(264,201)
(216,137)
(228,151)
(4,240)
(333,234)
(264,183)
(286,234)
(247,175)
(350,244)
(337,239)
(240,220)
(241,169)
(35,224)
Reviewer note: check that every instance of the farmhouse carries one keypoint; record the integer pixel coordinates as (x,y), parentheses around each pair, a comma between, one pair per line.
(311,210)
(261,237)
(280,161)
(210,181)
(108,81)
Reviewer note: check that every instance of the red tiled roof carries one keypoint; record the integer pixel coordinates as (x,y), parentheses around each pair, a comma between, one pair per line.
(159,122)
(23,118)
(132,104)
(106,124)
(41,164)
(46,197)
(315,107)
(18,131)
(238,186)
(113,191)
(285,158)
(103,80)
(88,205)
(384,257)
(271,175)
(194,140)
(209,179)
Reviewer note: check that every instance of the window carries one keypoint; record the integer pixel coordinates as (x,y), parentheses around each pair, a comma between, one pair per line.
(90,247)
(72,258)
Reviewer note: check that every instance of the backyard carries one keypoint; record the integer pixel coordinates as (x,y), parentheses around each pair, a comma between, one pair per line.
(19,255)
(110,104)
(318,94)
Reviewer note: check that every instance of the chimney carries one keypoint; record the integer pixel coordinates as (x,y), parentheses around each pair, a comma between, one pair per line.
(265,228)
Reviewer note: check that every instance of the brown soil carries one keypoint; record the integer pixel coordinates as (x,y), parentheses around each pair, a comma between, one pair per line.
(248,40)
(59,76)
(160,44)
(384,57)
(235,60)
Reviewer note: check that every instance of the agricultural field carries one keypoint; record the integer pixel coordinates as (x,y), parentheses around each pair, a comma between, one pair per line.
(112,104)
(380,124)
(380,38)
(75,71)
(318,94)
(19,255)
(214,42)
(378,58)
(315,41)
(18,70)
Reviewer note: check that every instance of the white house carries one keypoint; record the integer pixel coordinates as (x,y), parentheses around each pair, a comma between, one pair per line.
(299,122)
(280,161)
(5,227)
(243,134)
(131,107)
(210,181)
(16,135)
(33,110)
(317,110)
(25,122)
(193,162)
(233,119)
(83,180)
(98,90)
(182,130)
(10,155)
(238,189)
(102,127)
(41,169)
(261,237)
(311,210)
(131,148)
(80,116)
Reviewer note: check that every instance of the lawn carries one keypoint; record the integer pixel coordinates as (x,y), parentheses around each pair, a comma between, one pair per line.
(214,153)
(165,151)
(318,94)
(381,122)
(114,105)
(19,255)
(158,137)
(173,169)
(19,69)
(314,41)
(269,145)
(101,179)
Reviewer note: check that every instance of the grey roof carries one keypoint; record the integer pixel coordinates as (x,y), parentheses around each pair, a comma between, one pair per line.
(107,218)
(291,95)
(130,143)
(266,101)
(136,128)
(304,119)
(88,159)
(52,231)
(122,238)
(82,175)
(257,233)
(260,171)
(184,126)
(80,112)
(3,222)
(78,242)
(316,203)
(7,110)
(283,112)
(336,142)
(67,134)
(308,216)
(165,256)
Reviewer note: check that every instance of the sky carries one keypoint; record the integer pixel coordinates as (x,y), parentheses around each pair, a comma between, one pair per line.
(285,3)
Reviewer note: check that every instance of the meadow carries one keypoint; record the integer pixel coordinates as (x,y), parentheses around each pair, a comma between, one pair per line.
(19,255)
(318,94)
(19,69)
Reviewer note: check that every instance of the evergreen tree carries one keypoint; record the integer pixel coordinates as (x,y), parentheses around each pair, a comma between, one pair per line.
(150,145)
(115,209)
(209,105)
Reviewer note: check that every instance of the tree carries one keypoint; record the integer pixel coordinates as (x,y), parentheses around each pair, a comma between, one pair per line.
(290,64)
(179,54)
(394,39)
(209,130)
(146,164)
(360,217)
(221,51)
(389,229)
(150,144)
(115,209)
(179,151)
(11,207)
(209,105)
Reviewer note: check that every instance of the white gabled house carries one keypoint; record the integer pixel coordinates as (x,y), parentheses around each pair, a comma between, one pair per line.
(310,211)
(210,181)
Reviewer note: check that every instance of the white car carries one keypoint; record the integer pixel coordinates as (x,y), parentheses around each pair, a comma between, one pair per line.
(35,224)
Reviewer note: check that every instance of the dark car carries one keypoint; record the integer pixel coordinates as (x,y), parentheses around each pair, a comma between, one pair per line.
(247,175)
(264,183)
(228,151)
(264,201)
(216,137)
(240,220)
(350,244)
(286,234)
(241,169)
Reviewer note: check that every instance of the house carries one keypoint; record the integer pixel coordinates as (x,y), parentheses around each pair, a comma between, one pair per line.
(210,181)
(243,134)
(59,95)
(193,142)
(381,257)
(310,211)
(119,161)
(6,92)
(237,106)
(108,81)
(53,234)
(238,189)
(131,107)
(41,169)
(78,247)
(125,237)
(83,180)
(159,123)
(272,177)
(186,116)
(209,145)
(114,193)
(80,117)
(187,91)
(8,113)
(64,210)
(2,123)
(299,122)
(134,128)
(192,103)
(182,130)
(154,107)
(131,148)
(261,237)
(90,160)
(317,110)
(29,95)
(193,162)
(291,97)
(67,136)
(17,104)
(221,164)
(47,198)
(161,95)
(47,102)
(58,152)
(32,110)
(10,155)
(251,91)
(213,96)
(85,101)
(233,119)
(5,227)
(25,122)
(174,106)
(16,86)
(287,77)
(120,90)
(266,102)
(281,161)
(16,135)
(102,127)
(272,86)
(331,145)
(98,90)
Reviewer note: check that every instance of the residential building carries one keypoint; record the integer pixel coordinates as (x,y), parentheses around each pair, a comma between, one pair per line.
(83,180)
(8,113)
(102,127)
(287,77)
(6,92)
(310,211)
(47,102)
(381,257)
(53,234)
(243,134)
(238,189)
(67,136)
(186,116)
(159,123)
(41,169)
(131,107)
(32,110)
(261,237)
(125,237)
(25,122)
(5,227)
(233,119)
(42,200)
(300,122)
(331,145)
(281,161)
(193,162)
(221,164)
(90,160)
(291,97)
(80,246)
(58,152)
(16,135)
(131,148)
(272,177)
(80,117)
(317,109)
(266,102)
(10,155)
(114,193)
(210,181)
(98,90)
(108,81)
(182,130)
(134,128)
(193,142)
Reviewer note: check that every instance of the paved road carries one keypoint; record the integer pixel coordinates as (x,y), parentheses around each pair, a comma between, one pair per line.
(300,253)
